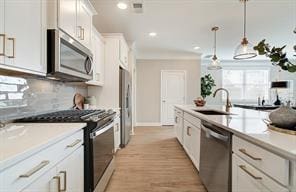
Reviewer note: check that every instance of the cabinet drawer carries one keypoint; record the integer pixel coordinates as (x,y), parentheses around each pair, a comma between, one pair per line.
(178,112)
(270,163)
(18,176)
(245,178)
(193,120)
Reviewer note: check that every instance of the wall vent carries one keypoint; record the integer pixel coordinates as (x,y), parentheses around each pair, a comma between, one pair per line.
(137,6)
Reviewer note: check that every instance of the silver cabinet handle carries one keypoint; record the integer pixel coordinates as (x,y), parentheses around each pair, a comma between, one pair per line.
(176,119)
(117,127)
(188,131)
(65,181)
(58,178)
(79,32)
(244,168)
(35,169)
(3,44)
(214,134)
(74,143)
(82,31)
(243,151)
(13,47)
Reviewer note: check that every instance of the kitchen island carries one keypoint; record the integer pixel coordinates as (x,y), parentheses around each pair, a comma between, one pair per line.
(261,159)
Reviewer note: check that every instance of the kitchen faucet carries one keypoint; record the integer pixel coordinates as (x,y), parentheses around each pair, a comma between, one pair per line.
(228,103)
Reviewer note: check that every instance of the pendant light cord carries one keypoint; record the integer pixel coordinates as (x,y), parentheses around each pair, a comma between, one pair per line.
(245,17)
(215,42)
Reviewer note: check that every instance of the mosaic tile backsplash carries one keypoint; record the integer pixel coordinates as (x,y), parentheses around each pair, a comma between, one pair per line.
(22,96)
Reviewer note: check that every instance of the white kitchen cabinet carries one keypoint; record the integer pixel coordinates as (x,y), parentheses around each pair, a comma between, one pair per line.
(67,16)
(179,128)
(123,53)
(71,172)
(75,18)
(2,32)
(191,142)
(98,50)
(117,133)
(246,178)
(24,36)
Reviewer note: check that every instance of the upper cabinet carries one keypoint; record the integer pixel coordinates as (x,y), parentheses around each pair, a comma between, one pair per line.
(75,18)
(98,50)
(123,53)
(22,36)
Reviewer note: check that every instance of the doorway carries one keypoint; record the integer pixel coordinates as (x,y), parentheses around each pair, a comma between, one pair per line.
(173,91)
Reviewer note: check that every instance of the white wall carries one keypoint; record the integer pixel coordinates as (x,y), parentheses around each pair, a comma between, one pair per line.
(274,75)
(149,83)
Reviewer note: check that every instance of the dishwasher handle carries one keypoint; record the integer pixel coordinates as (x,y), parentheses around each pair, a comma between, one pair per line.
(214,134)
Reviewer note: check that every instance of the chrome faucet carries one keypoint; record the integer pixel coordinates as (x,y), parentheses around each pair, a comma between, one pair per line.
(228,103)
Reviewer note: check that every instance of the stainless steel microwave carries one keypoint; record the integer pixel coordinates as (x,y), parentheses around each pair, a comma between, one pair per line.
(67,59)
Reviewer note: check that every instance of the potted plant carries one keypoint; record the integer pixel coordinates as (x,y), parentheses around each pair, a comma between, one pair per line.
(207,83)
(277,55)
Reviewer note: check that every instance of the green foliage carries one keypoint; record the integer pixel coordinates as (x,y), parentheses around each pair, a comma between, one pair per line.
(207,83)
(276,55)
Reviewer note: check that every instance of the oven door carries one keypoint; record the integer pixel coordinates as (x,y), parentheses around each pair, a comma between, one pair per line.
(102,142)
(67,58)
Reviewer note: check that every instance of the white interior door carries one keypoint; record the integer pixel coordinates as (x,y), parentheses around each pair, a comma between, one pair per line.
(173,91)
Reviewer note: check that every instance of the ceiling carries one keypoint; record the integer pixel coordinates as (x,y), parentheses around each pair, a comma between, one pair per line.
(183,24)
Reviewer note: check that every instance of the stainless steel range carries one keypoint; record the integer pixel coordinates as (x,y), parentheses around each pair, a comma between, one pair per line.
(98,142)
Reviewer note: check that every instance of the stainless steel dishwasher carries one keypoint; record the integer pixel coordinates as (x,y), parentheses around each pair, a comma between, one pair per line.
(215,158)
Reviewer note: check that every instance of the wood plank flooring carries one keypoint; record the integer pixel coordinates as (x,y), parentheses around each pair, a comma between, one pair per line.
(154,161)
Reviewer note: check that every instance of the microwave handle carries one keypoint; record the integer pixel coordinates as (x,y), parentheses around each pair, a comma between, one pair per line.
(101,131)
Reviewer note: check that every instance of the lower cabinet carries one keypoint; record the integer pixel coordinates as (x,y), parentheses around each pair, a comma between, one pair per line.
(246,178)
(179,128)
(66,176)
(191,144)
(117,135)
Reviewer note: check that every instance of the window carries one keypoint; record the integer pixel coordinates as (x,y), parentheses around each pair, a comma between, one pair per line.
(245,84)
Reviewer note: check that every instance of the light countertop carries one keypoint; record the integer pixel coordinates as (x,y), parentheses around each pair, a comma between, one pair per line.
(20,140)
(248,124)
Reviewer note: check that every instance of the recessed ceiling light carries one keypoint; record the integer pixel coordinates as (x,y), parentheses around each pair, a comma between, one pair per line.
(152,34)
(122,5)
(196,48)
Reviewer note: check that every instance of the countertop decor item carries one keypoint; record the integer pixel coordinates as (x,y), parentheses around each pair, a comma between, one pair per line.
(207,84)
(215,64)
(284,117)
(200,102)
(245,49)
(78,101)
(276,55)
(279,85)
(278,129)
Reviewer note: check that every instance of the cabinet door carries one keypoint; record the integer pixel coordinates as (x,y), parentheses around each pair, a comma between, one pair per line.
(70,170)
(24,33)
(46,183)
(84,23)
(67,16)
(98,47)
(123,53)
(195,145)
(2,32)
(179,128)
(117,134)
(187,138)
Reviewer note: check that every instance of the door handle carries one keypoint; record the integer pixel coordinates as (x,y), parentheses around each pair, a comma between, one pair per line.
(79,32)
(243,151)
(214,134)
(34,170)
(59,182)
(13,47)
(82,31)
(3,44)
(244,168)
(65,181)
(176,119)
(188,131)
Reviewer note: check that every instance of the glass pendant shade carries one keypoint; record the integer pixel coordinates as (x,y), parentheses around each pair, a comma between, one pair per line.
(244,51)
(215,65)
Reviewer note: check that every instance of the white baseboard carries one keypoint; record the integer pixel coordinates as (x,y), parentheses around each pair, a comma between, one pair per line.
(155,124)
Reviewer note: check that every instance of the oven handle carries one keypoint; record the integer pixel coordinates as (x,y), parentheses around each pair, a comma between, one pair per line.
(103,130)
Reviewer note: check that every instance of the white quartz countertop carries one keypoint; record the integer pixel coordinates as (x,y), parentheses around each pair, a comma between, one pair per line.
(20,140)
(248,124)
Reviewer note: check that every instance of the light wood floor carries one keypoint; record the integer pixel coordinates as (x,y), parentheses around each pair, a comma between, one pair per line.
(154,161)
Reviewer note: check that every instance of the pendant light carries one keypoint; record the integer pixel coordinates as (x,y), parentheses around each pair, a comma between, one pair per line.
(245,49)
(215,65)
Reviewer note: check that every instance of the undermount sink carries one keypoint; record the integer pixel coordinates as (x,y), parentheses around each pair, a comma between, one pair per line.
(212,112)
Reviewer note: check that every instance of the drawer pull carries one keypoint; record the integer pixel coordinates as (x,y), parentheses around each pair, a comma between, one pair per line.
(243,151)
(59,182)
(244,168)
(65,181)
(3,44)
(74,143)
(35,169)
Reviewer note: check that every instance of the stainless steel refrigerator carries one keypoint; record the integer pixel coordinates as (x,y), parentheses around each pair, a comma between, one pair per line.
(126,106)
